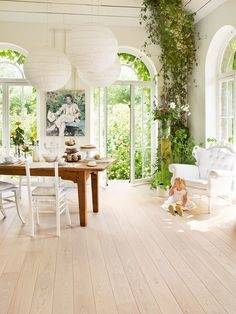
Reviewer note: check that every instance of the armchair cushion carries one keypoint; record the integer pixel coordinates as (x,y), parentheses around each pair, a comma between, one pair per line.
(185,171)
(213,158)
(220,173)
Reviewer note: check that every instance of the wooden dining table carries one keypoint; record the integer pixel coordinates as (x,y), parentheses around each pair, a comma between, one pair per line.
(78,173)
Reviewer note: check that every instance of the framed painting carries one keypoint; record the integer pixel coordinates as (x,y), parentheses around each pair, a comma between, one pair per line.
(65,113)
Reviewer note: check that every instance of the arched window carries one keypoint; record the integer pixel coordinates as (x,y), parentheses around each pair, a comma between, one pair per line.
(17,99)
(227,94)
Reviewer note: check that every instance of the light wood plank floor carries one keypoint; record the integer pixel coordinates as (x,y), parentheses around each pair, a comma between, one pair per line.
(132,258)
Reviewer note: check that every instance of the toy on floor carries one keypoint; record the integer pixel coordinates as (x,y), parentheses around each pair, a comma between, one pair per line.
(178,200)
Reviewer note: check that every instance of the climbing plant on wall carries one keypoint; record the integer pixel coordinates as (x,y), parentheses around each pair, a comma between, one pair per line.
(171,26)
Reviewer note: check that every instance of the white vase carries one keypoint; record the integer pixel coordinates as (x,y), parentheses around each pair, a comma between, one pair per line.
(35,154)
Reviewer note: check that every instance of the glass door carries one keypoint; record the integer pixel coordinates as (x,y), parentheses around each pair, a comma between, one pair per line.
(1,115)
(118,140)
(142,145)
(22,109)
(124,129)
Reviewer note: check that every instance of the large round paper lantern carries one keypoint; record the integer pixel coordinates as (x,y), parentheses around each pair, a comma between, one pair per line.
(92,47)
(104,78)
(47,69)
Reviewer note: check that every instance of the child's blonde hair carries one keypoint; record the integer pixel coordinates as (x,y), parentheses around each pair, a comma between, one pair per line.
(181,182)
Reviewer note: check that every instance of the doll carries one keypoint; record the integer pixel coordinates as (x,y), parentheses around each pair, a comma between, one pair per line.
(178,200)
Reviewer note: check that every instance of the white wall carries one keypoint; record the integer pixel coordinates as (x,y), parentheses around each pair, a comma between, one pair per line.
(207,28)
(33,35)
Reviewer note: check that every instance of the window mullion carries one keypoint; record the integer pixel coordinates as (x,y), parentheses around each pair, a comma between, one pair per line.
(5,114)
(234,113)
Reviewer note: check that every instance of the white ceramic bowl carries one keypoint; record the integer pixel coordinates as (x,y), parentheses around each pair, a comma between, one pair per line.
(50,157)
(92,163)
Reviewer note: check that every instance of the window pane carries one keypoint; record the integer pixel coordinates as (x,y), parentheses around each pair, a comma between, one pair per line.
(138,133)
(224,130)
(96,106)
(230,97)
(147,163)
(1,99)
(147,117)
(224,99)
(22,107)
(8,70)
(133,68)
(229,58)
(142,132)
(118,131)
(231,130)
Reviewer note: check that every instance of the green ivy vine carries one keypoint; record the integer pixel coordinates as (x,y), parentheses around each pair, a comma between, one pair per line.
(171,26)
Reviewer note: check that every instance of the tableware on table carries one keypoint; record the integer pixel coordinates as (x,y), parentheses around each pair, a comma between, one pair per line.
(9,160)
(91,163)
(88,149)
(50,157)
(104,159)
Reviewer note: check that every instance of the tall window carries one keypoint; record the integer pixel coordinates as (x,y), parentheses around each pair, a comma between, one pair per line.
(227,103)
(17,99)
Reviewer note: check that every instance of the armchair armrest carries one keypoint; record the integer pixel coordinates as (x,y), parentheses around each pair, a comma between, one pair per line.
(185,171)
(214,173)
(220,182)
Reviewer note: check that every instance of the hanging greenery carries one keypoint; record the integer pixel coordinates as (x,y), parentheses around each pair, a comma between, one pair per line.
(171,26)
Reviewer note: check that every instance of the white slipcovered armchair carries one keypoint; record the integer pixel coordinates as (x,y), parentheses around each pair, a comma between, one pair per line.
(212,175)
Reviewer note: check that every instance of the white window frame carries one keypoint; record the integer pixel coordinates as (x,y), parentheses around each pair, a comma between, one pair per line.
(225,78)
(5,83)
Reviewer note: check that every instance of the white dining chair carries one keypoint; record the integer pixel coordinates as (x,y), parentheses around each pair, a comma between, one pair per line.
(9,193)
(54,193)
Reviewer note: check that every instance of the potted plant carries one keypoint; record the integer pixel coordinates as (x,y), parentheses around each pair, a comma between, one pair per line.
(17,137)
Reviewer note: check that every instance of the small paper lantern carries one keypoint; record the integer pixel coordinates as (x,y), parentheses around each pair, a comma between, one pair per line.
(47,69)
(104,78)
(92,47)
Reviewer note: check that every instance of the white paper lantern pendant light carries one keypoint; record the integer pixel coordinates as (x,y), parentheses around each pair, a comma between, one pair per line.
(47,69)
(92,48)
(104,78)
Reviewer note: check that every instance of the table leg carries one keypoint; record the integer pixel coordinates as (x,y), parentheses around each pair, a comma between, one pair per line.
(82,194)
(95,192)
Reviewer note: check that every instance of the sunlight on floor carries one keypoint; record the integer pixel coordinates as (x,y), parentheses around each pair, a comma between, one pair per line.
(199,220)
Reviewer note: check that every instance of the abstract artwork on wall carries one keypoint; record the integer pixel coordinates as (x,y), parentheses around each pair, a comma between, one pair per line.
(65,113)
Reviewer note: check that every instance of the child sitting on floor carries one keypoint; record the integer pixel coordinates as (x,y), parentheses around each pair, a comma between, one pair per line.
(178,200)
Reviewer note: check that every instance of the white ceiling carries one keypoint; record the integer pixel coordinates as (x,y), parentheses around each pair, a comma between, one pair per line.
(111,12)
